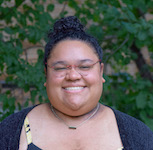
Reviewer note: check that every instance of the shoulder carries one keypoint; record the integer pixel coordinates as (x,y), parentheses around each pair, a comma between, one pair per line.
(134,132)
(10,127)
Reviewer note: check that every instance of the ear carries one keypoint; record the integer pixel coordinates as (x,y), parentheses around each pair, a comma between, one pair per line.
(45,71)
(45,75)
(102,68)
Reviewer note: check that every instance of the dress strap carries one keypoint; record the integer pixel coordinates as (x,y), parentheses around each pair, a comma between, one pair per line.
(27,129)
(122,148)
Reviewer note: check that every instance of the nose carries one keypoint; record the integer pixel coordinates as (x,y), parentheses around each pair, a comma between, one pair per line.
(72,74)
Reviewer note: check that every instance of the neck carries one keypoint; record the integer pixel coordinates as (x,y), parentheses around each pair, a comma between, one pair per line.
(75,120)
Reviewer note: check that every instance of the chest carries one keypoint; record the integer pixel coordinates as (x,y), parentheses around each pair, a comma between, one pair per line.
(80,140)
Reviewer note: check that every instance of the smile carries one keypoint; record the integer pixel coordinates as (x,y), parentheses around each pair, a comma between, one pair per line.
(74,88)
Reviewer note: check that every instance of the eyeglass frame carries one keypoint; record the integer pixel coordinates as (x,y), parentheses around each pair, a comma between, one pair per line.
(69,67)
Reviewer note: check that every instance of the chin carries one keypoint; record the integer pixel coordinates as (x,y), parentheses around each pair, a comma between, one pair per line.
(74,105)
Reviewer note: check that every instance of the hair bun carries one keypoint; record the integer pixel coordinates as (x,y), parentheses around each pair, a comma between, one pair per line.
(70,23)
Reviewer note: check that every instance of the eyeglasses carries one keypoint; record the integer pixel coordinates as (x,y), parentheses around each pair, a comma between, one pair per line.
(60,70)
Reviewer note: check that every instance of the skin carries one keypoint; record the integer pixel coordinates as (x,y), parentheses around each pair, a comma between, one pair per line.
(74,102)
(73,106)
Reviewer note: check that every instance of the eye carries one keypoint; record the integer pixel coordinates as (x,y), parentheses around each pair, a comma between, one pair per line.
(84,67)
(60,68)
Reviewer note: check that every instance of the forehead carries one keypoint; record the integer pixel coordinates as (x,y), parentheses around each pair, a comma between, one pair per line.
(68,50)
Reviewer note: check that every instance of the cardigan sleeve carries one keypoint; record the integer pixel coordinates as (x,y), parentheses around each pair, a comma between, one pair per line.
(135,135)
(150,141)
(10,129)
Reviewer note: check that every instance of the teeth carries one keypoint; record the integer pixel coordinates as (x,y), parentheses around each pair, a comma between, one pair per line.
(74,88)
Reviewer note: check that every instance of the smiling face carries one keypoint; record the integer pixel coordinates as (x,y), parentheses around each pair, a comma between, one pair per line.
(74,93)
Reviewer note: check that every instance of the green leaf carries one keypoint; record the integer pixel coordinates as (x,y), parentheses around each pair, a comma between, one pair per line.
(33,95)
(39,8)
(131,15)
(150,102)
(96,31)
(140,4)
(151,31)
(33,1)
(141,100)
(8,30)
(128,2)
(143,115)
(142,35)
(11,101)
(129,27)
(19,106)
(26,103)
(50,7)
(146,120)
(26,88)
(61,1)
(18,2)
(73,4)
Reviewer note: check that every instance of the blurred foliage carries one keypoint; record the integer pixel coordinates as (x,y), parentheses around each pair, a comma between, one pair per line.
(120,27)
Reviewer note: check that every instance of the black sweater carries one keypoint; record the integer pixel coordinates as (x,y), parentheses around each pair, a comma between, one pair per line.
(135,135)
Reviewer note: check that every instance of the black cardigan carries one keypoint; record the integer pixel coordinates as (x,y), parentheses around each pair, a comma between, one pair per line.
(135,135)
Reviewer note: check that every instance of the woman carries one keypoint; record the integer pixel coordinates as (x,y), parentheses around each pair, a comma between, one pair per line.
(74,119)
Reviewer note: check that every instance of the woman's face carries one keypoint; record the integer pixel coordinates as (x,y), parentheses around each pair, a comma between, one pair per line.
(74,93)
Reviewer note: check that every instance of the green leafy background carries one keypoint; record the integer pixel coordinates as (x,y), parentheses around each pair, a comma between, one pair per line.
(122,30)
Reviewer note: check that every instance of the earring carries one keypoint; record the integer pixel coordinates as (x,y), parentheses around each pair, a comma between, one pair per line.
(103,80)
(45,84)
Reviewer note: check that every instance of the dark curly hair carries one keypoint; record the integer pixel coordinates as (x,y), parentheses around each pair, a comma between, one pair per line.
(69,28)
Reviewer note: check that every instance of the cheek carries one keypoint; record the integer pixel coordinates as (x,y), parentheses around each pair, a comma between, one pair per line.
(52,81)
(94,79)
(53,87)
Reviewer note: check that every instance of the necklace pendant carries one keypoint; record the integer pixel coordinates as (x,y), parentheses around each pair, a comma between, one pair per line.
(72,127)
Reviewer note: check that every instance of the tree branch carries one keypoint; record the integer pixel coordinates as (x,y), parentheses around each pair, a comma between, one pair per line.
(65,3)
(114,51)
(109,37)
(141,64)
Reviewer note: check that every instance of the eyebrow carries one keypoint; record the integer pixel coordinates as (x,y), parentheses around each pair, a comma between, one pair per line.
(65,62)
(58,62)
(86,60)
